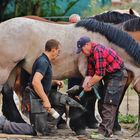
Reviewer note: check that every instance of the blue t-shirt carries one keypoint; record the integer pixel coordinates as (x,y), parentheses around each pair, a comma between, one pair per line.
(43,66)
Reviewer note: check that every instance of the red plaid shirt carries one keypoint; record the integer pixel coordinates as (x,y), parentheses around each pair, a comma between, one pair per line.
(103,61)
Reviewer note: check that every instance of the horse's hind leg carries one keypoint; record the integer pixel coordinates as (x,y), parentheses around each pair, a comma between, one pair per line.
(137,89)
(117,126)
(137,86)
(4,74)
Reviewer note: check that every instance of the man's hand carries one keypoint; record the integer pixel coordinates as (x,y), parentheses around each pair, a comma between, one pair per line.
(85,84)
(59,83)
(47,106)
(87,88)
(91,81)
(87,79)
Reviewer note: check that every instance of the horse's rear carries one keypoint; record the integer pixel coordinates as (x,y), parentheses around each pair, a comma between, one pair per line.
(13,46)
(24,39)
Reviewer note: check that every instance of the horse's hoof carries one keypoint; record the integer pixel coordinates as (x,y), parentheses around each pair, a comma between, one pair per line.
(117,128)
(93,126)
(62,126)
(81,132)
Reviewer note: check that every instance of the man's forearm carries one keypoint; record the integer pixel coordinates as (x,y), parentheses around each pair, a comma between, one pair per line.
(95,79)
(40,91)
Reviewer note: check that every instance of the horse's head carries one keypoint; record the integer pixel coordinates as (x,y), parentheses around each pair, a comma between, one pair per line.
(133,12)
(127,11)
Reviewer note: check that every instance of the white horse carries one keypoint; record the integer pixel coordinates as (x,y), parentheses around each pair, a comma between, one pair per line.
(23,39)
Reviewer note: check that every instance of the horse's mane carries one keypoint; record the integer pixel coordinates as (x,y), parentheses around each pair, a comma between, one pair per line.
(114,35)
(113,17)
(132,25)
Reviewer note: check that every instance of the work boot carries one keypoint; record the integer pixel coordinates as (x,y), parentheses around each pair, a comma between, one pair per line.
(93,126)
(117,128)
(49,132)
(81,132)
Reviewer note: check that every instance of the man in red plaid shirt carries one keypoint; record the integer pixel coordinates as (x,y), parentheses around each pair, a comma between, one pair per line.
(104,64)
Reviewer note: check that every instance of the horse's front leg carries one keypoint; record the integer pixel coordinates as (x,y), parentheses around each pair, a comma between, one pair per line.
(82,65)
(136,85)
(4,74)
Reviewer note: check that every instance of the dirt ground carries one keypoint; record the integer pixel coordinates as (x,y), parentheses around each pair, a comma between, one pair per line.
(128,106)
(66,134)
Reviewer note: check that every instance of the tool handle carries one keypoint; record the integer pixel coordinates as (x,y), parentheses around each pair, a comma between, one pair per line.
(95,91)
(81,94)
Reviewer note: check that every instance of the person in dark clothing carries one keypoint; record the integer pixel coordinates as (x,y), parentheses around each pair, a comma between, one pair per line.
(104,64)
(11,122)
(9,127)
(41,81)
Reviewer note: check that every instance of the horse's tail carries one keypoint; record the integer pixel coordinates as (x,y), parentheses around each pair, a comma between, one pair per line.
(114,35)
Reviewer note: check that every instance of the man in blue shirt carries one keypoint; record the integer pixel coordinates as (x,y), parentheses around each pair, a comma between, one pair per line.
(41,81)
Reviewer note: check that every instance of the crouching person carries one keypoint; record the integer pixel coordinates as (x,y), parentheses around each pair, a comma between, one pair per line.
(9,127)
(41,81)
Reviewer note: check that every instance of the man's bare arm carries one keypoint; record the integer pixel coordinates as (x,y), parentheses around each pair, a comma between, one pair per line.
(92,81)
(95,79)
(37,85)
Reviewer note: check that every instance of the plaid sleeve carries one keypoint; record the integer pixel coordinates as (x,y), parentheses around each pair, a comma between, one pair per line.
(90,71)
(100,62)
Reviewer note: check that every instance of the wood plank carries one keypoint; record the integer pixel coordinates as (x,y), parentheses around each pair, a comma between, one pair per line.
(3,135)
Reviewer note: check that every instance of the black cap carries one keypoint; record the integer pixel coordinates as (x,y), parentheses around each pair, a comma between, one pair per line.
(81,42)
